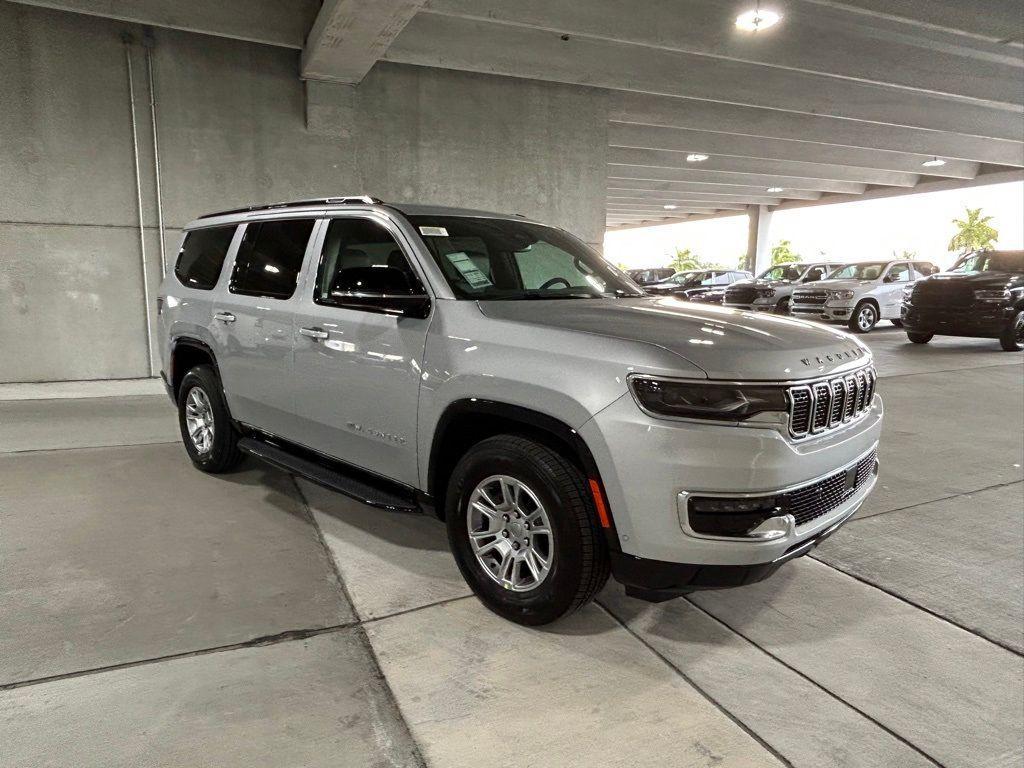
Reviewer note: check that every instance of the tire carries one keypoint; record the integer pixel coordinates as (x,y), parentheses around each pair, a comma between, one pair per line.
(201,396)
(1012,338)
(863,318)
(782,306)
(897,323)
(576,554)
(920,338)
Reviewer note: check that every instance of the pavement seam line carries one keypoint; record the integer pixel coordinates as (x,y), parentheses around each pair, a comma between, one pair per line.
(689,681)
(818,685)
(414,609)
(21,451)
(256,642)
(945,619)
(389,693)
(935,501)
(948,370)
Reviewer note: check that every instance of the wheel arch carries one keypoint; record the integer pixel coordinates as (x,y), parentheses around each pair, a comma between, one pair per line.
(186,353)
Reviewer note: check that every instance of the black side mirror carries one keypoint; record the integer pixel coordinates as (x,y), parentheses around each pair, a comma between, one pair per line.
(387,290)
(888,279)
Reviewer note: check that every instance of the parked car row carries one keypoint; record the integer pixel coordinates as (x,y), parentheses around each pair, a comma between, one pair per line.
(981,296)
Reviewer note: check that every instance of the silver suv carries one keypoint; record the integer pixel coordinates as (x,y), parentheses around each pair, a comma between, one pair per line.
(772,289)
(500,374)
(860,295)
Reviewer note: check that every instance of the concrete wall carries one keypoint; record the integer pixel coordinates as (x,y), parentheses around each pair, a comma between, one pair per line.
(232,131)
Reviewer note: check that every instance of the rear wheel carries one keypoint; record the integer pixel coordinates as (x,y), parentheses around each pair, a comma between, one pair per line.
(864,317)
(782,306)
(206,429)
(523,530)
(920,338)
(1012,339)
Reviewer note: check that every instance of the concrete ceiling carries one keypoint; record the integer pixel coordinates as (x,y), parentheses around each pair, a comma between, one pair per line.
(843,98)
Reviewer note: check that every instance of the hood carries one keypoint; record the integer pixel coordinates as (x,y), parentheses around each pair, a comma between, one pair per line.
(763,283)
(846,283)
(977,279)
(726,343)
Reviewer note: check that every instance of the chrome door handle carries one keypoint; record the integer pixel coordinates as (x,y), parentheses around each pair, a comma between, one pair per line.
(314,333)
(224,317)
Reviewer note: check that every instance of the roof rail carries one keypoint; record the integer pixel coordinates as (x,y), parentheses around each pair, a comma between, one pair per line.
(347,200)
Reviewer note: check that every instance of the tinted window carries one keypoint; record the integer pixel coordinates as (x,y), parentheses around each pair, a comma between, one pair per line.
(362,254)
(900,273)
(202,256)
(270,257)
(924,268)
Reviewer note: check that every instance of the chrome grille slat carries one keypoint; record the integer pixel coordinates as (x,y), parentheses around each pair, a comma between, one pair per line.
(826,404)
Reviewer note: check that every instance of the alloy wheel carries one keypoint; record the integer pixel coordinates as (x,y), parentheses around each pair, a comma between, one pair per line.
(199,420)
(866,317)
(510,533)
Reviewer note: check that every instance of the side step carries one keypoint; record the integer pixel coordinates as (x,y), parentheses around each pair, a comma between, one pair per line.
(361,487)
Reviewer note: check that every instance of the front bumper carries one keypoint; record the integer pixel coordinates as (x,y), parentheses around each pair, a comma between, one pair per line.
(765,305)
(646,463)
(985,321)
(829,313)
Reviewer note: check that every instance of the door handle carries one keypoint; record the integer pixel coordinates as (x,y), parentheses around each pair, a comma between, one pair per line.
(314,333)
(224,317)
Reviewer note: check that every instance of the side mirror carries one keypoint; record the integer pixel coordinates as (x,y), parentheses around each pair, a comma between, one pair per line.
(387,290)
(887,279)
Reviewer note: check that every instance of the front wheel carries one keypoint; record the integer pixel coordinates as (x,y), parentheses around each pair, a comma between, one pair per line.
(782,306)
(1012,339)
(206,429)
(897,323)
(863,318)
(523,530)
(920,338)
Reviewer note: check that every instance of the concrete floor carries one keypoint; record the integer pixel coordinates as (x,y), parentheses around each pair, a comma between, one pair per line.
(151,615)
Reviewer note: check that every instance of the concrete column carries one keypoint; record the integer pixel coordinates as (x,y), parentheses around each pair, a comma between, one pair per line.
(330,109)
(758,253)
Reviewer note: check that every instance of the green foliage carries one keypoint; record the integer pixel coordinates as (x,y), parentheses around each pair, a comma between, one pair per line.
(782,253)
(904,254)
(686,259)
(973,233)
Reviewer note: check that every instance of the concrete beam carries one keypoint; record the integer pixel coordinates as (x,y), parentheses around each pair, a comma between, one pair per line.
(740,179)
(349,36)
(751,121)
(620,173)
(663,187)
(724,164)
(683,140)
(273,22)
(855,47)
(436,40)
(998,20)
(667,199)
(653,210)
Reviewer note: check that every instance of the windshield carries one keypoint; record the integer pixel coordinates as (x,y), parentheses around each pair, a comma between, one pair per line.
(484,258)
(991,261)
(869,270)
(783,272)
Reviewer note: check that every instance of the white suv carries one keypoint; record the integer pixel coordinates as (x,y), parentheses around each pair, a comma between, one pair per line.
(860,294)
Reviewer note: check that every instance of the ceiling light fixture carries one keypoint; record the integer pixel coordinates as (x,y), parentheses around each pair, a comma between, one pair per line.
(774,189)
(670,207)
(696,157)
(935,162)
(756,20)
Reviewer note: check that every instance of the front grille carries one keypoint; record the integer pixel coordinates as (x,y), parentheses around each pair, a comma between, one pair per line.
(816,408)
(942,293)
(816,298)
(740,295)
(812,501)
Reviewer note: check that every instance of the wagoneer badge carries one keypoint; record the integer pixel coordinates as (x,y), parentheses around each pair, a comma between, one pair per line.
(835,357)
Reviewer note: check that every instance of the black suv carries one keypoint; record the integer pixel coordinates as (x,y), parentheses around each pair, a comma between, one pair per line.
(650,276)
(982,295)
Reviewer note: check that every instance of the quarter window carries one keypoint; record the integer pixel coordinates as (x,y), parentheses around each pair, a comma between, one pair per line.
(202,256)
(270,257)
(360,255)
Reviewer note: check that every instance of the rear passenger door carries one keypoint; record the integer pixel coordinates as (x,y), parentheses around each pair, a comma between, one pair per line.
(358,366)
(252,324)
(898,277)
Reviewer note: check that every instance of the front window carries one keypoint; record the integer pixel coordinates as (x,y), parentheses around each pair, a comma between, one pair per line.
(485,258)
(868,270)
(782,272)
(991,261)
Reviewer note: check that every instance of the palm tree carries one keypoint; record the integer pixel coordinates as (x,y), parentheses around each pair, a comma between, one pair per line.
(973,233)
(685,259)
(782,253)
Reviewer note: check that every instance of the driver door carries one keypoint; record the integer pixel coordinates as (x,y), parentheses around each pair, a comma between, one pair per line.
(896,279)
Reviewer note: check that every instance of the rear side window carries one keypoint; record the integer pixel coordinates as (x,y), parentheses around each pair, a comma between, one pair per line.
(270,257)
(202,256)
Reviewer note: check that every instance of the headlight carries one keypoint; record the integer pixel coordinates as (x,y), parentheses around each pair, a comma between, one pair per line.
(766,293)
(840,294)
(996,296)
(694,400)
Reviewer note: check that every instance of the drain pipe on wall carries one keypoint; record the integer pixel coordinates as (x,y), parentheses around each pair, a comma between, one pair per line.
(149,43)
(127,40)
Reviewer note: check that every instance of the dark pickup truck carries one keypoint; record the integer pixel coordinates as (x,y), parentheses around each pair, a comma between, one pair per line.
(982,296)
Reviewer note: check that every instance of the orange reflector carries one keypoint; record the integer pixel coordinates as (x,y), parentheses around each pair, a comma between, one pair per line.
(602,510)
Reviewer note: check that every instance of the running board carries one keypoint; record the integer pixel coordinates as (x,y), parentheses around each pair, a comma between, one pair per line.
(335,476)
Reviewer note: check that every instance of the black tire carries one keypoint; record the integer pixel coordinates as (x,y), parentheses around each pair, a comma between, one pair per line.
(920,338)
(854,323)
(579,563)
(223,453)
(782,306)
(897,323)
(1012,338)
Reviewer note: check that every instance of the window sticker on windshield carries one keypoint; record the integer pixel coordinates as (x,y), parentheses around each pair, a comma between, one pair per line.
(433,231)
(468,269)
